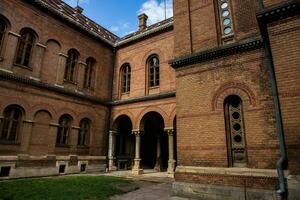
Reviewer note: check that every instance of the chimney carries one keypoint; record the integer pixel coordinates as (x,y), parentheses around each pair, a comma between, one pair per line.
(78,9)
(142,21)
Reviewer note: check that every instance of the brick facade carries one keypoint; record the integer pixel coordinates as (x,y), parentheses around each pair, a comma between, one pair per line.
(185,117)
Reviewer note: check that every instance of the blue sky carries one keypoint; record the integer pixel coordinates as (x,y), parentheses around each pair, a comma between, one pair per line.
(120,16)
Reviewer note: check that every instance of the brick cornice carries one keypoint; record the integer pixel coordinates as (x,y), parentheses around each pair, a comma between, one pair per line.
(9,76)
(219,52)
(279,11)
(24,80)
(144,98)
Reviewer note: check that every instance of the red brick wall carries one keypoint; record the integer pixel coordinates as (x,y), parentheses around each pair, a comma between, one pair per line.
(285,43)
(136,55)
(201,91)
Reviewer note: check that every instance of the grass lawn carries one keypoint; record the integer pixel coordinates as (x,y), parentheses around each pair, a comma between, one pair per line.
(62,188)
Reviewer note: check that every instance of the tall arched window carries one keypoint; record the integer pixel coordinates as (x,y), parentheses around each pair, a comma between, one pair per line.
(2,32)
(11,123)
(126,76)
(88,72)
(25,47)
(71,65)
(84,132)
(153,65)
(64,128)
(235,132)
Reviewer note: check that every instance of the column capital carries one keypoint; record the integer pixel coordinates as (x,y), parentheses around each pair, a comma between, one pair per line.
(169,131)
(113,132)
(136,132)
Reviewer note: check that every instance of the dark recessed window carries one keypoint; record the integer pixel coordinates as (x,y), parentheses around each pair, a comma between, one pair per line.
(84,132)
(2,32)
(11,124)
(153,65)
(125,79)
(25,48)
(63,130)
(4,171)
(71,65)
(82,167)
(89,72)
(62,169)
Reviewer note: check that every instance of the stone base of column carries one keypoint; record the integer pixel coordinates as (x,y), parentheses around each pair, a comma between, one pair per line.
(111,166)
(157,166)
(136,170)
(171,166)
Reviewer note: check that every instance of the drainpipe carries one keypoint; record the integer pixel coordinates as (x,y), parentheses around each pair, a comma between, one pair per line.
(282,162)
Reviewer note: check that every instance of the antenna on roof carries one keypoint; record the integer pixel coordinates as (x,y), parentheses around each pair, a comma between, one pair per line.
(77,3)
(165,9)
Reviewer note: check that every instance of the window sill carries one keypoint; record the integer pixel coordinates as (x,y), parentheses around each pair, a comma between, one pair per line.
(23,66)
(62,146)
(153,87)
(70,82)
(125,93)
(83,147)
(6,142)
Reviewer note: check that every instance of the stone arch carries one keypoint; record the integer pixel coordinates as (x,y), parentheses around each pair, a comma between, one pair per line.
(150,109)
(123,112)
(45,107)
(88,116)
(161,55)
(71,113)
(171,118)
(233,88)
(18,102)
(32,31)
(157,110)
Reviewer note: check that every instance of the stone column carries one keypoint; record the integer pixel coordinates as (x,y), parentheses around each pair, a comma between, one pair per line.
(111,150)
(136,170)
(171,161)
(10,50)
(61,68)
(158,155)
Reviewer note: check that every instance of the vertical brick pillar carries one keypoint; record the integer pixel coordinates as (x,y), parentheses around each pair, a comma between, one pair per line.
(61,69)
(37,60)
(26,135)
(10,50)
(136,170)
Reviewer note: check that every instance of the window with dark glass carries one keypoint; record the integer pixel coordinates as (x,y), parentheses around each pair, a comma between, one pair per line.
(2,32)
(88,72)
(25,47)
(84,132)
(225,19)
(11,122)
(64,128)
(153,63)
(126,76)
(236,144)
(71,65)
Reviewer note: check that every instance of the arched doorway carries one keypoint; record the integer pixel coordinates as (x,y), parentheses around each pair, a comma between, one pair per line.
(124,143)
(154,142)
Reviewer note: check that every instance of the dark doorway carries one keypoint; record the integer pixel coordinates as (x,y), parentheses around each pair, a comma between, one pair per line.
(153,127)
(125,143)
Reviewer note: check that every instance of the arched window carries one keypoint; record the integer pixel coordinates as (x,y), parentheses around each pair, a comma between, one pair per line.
(126,76)
(71,65)
(84,132)
(88,72)
(25,47)
(153,64)
(235,132)
(11,123)
(64,128)
(2,32)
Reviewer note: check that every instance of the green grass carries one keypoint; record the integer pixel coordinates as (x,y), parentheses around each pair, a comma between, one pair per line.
(61,188)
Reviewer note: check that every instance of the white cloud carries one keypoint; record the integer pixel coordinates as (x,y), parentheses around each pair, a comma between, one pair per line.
(155,9)
(114,28)
(73,3)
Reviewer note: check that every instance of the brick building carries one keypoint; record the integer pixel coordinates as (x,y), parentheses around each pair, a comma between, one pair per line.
(212,95)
